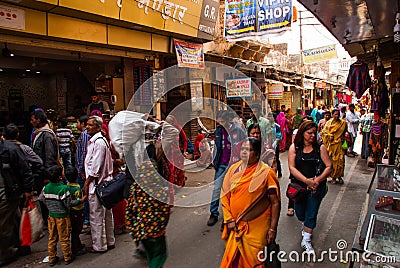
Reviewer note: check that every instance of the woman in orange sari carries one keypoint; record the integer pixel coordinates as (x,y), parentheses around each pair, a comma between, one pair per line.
(251,205)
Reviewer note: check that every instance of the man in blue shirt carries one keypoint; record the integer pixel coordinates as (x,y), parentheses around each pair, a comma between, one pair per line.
(80,161)
(227,135)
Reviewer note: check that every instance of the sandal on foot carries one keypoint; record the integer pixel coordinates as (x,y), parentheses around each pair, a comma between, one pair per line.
(333,181)
(290,212)
(340,181)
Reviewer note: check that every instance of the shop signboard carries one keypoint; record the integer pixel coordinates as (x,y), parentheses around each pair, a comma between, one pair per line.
(208,18)
(196,94)
(319,54)
(11,17)
(196,18)
(189,54)
(247,18)
(275,91)
(238,87)
(159,91)
(286,100)
(308,84)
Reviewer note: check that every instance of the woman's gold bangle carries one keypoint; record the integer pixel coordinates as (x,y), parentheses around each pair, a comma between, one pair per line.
(272,230)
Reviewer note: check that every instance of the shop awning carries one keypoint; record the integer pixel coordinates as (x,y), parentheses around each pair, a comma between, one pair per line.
(362,26)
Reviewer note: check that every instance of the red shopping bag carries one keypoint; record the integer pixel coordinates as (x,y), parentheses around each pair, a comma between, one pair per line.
(31,227)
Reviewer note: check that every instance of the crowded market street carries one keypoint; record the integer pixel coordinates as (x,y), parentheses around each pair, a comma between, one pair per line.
(191,243)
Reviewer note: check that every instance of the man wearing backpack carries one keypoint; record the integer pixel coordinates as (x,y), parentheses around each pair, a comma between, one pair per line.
(15,180)
(98,169)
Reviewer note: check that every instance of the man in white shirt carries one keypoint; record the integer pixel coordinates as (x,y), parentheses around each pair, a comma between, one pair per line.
(98,169)
(352,126)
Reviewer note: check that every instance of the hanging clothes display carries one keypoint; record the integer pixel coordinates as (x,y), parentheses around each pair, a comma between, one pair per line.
(358,79)
(378,140)
(379,97)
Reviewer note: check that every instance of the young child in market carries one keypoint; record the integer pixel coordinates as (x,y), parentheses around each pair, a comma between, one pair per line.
(76,213)
(65,140)
(58,199)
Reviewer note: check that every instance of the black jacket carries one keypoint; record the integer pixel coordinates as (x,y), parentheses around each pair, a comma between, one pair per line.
(46,147)
(15,170)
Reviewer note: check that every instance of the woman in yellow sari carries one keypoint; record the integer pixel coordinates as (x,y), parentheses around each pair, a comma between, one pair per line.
(251,205)
(332,136)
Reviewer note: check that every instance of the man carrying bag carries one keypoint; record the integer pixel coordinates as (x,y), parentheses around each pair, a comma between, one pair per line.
(15,180)
(98,169)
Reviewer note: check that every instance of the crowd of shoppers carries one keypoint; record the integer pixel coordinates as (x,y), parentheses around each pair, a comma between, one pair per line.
(61,173)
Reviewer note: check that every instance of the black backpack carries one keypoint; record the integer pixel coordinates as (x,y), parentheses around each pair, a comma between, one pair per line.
(12,183)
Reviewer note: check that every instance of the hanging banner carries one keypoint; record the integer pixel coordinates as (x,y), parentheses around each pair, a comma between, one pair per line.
(189,54)
(240,18)
(238,87)
(275,92)
(319,54)
(247,18)
(274,15)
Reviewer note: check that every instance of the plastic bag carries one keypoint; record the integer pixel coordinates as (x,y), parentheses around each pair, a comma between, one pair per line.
(344,145)
(31,227)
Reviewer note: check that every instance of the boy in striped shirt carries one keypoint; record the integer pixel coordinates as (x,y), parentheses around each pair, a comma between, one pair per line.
(65,138)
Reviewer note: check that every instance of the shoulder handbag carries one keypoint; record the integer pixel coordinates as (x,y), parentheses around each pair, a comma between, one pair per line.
(112,192)
(295,192)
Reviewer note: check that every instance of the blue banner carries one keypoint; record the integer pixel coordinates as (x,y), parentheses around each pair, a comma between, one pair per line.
(274,15)
(247,18)
(240,17)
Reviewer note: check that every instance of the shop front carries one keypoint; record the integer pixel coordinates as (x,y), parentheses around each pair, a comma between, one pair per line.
(56,53)
(374,39)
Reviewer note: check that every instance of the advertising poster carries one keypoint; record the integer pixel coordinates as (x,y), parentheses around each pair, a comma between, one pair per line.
(11,17)
(274,15)
(319,54)
(189,54)
(248,18)
(238,87)
(240,18)
(275,92)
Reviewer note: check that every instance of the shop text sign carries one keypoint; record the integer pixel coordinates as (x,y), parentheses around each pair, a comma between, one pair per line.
(189,54)
(195,18)
(11,17)
(319,54)
(247,18)
(275,92)
(238,87)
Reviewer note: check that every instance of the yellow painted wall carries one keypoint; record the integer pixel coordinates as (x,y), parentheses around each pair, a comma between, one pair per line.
(35,22)
(107,9)
(70,28)
(128,38)
(160,43)
(77,29)
(53,2)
